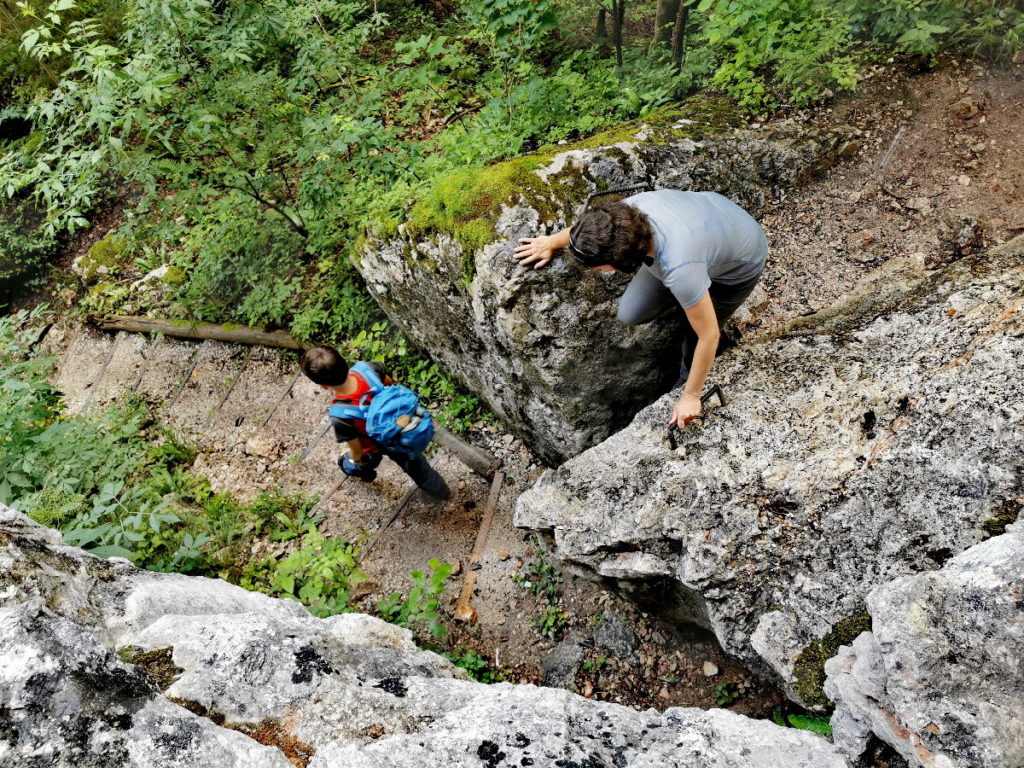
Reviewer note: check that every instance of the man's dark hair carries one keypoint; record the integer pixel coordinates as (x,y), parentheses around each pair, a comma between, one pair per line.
(615,234)
(323,365)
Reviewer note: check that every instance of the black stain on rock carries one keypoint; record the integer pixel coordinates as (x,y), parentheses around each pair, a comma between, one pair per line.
(394,686)
(489,753)
(177,737)
(309,664)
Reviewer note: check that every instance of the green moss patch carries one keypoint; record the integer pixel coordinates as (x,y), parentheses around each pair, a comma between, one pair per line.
(1007,513)
(158,664)
(704,116)
(174,276)
(103,259)
(809,668)
(466,204)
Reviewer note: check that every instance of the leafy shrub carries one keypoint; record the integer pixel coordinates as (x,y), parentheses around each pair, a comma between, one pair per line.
(812,723)
(727,693)
(478,667)
(241,265)
(421,605)
(924,27)
(319,575)
(779,50)
(24,246)
(542,579)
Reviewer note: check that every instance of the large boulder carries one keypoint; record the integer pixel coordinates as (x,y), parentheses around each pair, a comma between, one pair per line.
(544,348)
(103,665)
(941,675)
(871,443)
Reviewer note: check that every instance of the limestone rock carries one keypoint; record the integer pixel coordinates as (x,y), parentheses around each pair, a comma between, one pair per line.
(871,442)
(940,676)
(614,636)
(247,681)
(543,347)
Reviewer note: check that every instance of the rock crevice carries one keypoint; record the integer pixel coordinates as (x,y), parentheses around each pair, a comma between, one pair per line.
(877,442)
(543,348)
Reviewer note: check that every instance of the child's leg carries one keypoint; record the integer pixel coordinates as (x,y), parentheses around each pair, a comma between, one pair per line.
(424,475)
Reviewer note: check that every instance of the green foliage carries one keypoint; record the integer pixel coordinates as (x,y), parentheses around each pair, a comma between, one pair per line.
(727,693)
(478,667)
(924,27)
(242,265)
(812,723)
(319,575)
(24,247)
(283,517)
(541,578)
(779,50)
(551,621)
(421,605)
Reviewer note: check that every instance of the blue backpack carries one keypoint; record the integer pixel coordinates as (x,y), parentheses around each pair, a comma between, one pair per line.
(382,407)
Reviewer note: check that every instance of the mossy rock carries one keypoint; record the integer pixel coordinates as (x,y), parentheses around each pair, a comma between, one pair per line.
(809,667)
(174,276)
(466,204)
(158,664)
(102,260)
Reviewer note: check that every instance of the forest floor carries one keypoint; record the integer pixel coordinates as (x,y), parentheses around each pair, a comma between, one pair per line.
(940,172)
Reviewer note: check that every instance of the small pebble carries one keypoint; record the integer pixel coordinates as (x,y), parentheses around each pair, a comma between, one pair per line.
(710,669)
(503,556)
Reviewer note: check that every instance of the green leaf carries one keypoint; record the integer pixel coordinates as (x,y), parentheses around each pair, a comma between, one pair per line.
(111,550)
(811,723)
(29,40)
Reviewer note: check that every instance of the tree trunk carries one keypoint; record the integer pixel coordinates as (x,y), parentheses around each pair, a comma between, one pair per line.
(664,23)
(679,35)
(618,16)
(603,46)
(185,329)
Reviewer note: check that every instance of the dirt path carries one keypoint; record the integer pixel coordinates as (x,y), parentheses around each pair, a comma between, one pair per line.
(259,427)
(937,150)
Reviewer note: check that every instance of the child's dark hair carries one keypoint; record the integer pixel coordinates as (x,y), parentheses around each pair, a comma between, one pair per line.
(615,234)
(323,365)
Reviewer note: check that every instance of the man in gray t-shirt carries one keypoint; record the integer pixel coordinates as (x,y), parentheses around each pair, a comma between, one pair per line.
(696,249)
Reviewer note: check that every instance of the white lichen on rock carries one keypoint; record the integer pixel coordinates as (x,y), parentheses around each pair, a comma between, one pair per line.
(208,666)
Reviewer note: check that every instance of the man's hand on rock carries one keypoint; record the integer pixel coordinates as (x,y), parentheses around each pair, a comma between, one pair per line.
(536,250)
(687,408)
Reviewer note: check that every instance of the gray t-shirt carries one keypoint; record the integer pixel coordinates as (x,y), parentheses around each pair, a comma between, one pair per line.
(700,237)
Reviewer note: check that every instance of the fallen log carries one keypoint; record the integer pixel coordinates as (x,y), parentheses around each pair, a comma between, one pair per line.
(477,459)
(186,329)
